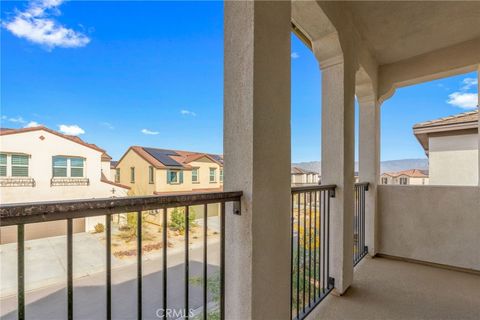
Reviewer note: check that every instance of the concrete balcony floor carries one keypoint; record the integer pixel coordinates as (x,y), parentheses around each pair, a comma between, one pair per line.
(391,289)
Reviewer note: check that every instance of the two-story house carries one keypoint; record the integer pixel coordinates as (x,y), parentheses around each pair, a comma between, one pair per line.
(405,177)
(303,177)
(41,164)
(160,171)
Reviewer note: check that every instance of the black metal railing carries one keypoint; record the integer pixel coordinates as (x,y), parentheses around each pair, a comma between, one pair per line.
(359,247)
(310,248)
(27,213)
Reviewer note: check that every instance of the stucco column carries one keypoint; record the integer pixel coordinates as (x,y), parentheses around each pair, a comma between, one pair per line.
(369,165)
(478,107)
(257,158)
(338,89)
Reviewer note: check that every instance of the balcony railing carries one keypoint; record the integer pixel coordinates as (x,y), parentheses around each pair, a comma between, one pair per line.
(310,248)
(27,213)
(359,247)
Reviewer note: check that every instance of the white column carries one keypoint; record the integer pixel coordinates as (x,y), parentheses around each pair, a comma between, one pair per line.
(369,165)
(338,90)
(257,158)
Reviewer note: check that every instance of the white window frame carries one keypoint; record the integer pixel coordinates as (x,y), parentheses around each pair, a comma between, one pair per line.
(9,165)
(197,176)
(214,170)
(69,167)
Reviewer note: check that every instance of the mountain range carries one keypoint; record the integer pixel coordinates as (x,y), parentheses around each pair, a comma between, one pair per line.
(385,166)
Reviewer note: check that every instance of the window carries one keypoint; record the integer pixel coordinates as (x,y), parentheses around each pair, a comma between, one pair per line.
(195,175)
(68,167)
(132,174)
(403,180)
(3,165)
(76,167)
(117,175)
(19,165)
(213,174)
(221,174)
(174,176)
(150,174)
(384,181)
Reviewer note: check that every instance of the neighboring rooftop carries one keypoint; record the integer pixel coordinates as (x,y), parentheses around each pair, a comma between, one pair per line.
(165,158)
(412,173)
(462,123)
(113,164)
(298,170)
(7,131)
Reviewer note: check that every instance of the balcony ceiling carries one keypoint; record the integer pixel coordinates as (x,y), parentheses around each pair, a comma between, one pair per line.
(398,30)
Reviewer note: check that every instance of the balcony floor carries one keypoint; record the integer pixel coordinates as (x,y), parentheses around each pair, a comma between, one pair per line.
(390,289)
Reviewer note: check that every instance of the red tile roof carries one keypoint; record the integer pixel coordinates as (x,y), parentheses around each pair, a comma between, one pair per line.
(413,173)
(183,158)
(7,131)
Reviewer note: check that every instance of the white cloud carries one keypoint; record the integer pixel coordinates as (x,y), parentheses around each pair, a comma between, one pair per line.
(17,120)
(73,130)
(36,25)
(295,55)
(107,125)
(463,100)
(188,113)
(469,83)
(149,132)
(32,124)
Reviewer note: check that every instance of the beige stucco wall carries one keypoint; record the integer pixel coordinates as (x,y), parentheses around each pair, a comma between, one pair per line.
(40,169)
(143,187)
(436,224)
(453,160)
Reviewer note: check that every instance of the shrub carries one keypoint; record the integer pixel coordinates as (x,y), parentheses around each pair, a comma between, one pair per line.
(99,228)
(177,220)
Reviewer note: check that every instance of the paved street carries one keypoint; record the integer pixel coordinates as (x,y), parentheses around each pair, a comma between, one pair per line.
(50,301)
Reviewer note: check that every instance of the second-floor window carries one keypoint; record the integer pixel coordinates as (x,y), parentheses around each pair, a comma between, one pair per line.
(132,174)
(221,175)
(384,181)
(213,174)
(117,175)
(403,180)
(174,176)
(68,167)
(14,165)
(195,175)
(150,174)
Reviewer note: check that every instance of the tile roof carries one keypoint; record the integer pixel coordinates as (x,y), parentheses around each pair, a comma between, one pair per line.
(7,131)
(462,118)
(165,158)
(298,170)
(413,173)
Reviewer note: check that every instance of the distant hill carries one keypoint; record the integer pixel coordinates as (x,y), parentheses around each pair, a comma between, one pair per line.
(385,166)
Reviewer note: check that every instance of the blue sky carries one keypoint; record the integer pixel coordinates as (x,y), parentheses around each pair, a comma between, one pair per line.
(151,73)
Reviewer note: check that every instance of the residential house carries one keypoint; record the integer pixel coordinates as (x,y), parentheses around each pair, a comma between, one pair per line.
(41,164)
(451,145)
(303,177)
(160,171)
(406,177)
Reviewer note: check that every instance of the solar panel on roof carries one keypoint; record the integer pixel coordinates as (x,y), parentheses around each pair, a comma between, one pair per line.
(216,157)
(164,156)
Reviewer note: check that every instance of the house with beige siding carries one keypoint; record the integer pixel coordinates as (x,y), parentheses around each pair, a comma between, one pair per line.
(303,177)
(405,177)
(157,171)
(451,144)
